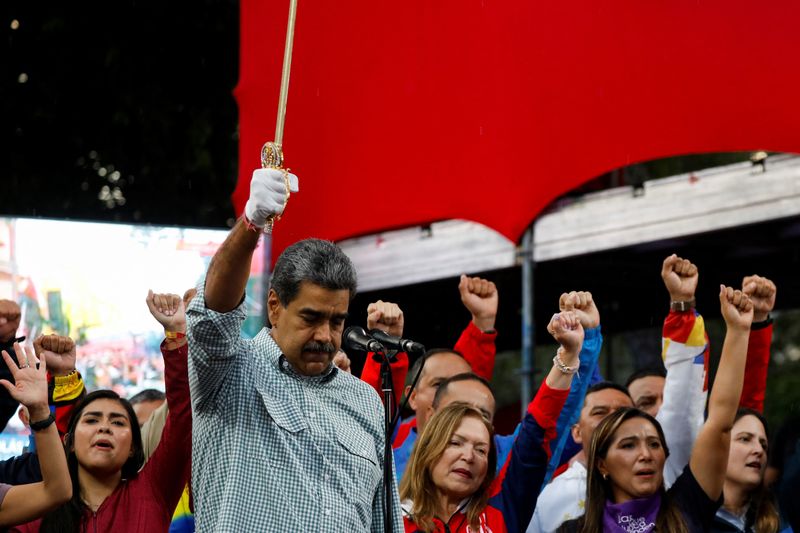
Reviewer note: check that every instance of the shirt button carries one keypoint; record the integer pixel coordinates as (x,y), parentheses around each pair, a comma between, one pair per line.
(326,477)
(312,414)
(327,511)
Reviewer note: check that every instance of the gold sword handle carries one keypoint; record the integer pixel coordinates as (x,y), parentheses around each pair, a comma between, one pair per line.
(272,157)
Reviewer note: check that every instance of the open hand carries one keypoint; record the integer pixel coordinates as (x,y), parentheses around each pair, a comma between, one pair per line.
(680,277)
(582,304)
(736,307)
(59,352)
(30,383)
(385,316)
(762,292)
(480,298)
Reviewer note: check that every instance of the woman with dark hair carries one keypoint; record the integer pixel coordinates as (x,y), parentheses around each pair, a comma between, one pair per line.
(748,505)
(21,503)
(104,454)
(450,484)
(625,484)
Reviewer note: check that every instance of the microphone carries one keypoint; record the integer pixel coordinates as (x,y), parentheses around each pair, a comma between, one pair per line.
(396,343)
(356,338)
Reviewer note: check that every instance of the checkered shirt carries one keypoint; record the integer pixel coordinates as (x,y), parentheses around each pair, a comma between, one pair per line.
(273,450)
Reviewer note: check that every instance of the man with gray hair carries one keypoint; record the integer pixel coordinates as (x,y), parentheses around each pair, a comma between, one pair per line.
(282,440)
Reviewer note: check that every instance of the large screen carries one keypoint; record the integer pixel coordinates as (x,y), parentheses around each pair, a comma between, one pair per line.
(90,281)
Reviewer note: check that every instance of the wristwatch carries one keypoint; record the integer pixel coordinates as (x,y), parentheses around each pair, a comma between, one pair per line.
(43,424)
(682,306)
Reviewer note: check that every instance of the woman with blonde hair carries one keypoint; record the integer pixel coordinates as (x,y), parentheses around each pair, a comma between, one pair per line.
(449,484)
(625,485)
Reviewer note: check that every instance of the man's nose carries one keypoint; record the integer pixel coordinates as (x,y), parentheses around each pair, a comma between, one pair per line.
(323,333)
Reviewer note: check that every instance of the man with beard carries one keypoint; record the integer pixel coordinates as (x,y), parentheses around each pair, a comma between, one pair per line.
(282,440)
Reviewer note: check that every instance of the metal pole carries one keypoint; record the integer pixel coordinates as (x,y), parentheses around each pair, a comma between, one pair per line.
(526,371)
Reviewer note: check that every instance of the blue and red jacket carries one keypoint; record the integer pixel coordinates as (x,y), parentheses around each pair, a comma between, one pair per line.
(516,489)
(478,349)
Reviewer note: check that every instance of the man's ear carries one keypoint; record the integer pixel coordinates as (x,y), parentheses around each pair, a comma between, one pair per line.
(412,397)
(576,434)
(274,308)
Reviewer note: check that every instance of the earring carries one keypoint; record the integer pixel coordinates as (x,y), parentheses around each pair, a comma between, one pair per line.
(605,476)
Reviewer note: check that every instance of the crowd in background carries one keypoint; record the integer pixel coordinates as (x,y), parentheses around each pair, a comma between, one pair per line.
(665,451)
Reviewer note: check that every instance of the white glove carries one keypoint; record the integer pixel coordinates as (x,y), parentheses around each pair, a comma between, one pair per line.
(267,195)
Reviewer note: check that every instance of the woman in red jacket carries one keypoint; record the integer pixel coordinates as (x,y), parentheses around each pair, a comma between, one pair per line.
(104,455)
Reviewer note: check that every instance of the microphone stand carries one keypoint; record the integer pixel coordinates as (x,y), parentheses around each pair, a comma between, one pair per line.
(387,388)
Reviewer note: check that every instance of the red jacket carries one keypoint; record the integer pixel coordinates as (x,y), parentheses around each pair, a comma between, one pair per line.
(145,503)
(477,347)
(515,490)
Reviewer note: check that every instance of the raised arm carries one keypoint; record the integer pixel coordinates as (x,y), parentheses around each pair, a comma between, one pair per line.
(583,305)
(23,503)
(65,384)
(10,314)
(762,292)
(516,489)
(709,459)
(685,353)
(230,267)
(389,318)
(476,344)
(167,470)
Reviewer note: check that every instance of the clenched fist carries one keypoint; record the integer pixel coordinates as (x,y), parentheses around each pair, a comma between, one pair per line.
(268,195)
(169,310)
(762,293)
(582,304)
(736,307)
(566,329)
(680,277)
(9,319)
(480,298)
(385,316)
(59,352)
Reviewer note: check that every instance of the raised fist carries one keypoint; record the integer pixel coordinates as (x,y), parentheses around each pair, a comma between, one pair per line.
(169,310)
(680,277)
(59,352)
(385,316)
(342,362)
(762,293)
(268,195)
(736,307)
(480,298)
(9,319)
(566,329)
(582,304)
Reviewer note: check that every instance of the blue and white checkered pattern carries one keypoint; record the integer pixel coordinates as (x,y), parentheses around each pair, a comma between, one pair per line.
(273,450)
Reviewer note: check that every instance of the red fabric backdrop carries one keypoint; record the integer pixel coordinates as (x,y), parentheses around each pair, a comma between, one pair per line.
(403,113)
